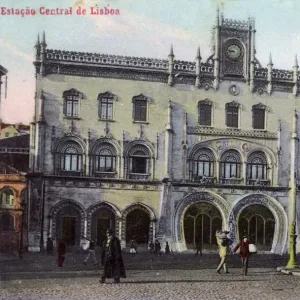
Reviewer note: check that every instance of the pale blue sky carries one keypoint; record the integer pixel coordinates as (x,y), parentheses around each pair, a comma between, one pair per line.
(142,29)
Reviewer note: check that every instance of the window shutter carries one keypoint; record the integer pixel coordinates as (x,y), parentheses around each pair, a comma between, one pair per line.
(99,108)
(133,110)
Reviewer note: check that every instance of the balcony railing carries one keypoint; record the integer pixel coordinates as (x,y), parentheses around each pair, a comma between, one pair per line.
(71,173)
(203,180)
(138,176)
(258,182)
(104,174)
(231,180)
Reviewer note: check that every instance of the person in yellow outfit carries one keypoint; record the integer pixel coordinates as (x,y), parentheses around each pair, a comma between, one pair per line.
(223,250)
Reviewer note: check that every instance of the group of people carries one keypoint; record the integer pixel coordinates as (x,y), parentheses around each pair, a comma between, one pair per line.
(242,248)
(155,248)
(112,261)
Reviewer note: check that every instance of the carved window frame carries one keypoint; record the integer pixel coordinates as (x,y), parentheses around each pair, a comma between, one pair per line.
(230,159)
(234,108)
(97,156)
(110,99)
(78,157)
(257,160)
(210,161)
(256,110)
(72,96)
(207,107)
(143,152)
(142,99)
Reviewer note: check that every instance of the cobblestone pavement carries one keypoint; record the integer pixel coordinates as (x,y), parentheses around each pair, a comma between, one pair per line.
(261,283)
(178,276)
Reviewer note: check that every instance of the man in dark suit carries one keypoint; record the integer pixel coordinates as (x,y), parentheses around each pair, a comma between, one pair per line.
(112,258)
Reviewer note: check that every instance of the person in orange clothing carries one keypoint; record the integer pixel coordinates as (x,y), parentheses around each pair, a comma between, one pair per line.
(243,245)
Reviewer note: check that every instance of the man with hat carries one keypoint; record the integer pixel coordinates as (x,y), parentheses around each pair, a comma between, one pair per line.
(243,245)
(112,258)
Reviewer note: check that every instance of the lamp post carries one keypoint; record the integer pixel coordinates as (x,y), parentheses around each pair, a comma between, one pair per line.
(23,207)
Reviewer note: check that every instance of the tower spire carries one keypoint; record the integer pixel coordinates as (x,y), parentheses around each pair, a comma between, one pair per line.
(171,51)
(270,60)
(198,68)
(171,63)
(296,61)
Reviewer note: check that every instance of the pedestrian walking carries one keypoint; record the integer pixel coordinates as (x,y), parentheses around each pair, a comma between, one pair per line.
(133,247)
(223,250)
(167,248)
(91,253)
(111,258)
(61,251)
(243,246)
(49,246)
(151,246)
(199,248)
(157,247)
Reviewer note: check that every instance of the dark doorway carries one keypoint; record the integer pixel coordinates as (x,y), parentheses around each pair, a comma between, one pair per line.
(102,226)
(137,226)
(68,230)
(102,219)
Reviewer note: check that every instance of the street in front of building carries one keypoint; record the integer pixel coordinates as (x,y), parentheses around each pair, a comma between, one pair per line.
(176,276)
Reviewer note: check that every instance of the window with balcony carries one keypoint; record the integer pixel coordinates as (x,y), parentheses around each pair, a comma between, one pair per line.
(232,114)
(139,162)
(205,112)
(203,165)
(72,103)
(258,116)
(257,169)
(230,167)
(104,160)
(71,159)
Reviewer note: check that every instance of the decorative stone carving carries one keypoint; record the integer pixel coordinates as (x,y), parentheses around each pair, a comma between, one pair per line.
(234,90)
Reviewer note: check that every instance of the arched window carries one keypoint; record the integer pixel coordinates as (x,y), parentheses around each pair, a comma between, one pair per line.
(256,167)
(71,103)
(105,158)
(7,197)
(71,157)
(6,222)
(230,165)
(139,161)
(203,164)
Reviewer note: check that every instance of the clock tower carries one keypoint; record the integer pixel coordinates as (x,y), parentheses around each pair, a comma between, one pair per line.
(234,49)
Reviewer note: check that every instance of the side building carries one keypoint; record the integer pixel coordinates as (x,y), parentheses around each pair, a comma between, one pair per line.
(164,149)
(14,159)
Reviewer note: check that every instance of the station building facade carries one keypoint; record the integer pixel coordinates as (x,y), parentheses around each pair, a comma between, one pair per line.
(162,148)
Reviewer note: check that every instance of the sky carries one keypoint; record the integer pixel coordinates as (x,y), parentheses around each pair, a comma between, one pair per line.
(143,28)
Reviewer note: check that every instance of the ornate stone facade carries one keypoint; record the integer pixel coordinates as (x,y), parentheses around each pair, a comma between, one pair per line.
(123,133)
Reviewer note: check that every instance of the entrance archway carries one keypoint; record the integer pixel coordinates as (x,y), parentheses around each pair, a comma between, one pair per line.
(258,222)
(102,220)
(266,218)
(137,226)
(100,217)
(201,221)
(68,222)
(210,200)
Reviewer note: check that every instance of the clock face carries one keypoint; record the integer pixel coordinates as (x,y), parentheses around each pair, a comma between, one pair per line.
(234,51)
